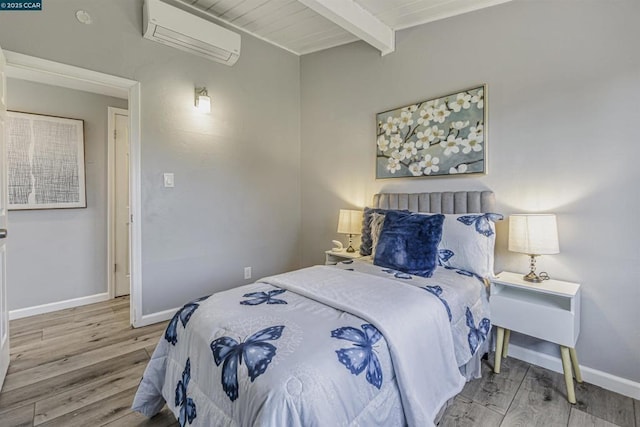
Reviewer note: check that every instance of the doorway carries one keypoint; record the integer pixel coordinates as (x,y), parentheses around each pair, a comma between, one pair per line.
(119,215)
(30,68)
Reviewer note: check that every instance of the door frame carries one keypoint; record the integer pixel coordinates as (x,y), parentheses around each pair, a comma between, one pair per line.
(5,333)
(39,70)
(111,195)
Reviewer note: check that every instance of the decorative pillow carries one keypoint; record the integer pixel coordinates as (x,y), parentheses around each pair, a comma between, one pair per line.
(468,242)
(409,243)
(377,221)
(366,242)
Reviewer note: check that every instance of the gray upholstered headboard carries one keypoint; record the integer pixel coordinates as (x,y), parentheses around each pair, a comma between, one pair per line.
(448,202)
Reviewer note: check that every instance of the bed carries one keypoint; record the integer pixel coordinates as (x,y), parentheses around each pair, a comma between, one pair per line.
(357,344)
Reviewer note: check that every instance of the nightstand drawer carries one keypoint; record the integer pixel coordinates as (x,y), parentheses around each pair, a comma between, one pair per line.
(545,318)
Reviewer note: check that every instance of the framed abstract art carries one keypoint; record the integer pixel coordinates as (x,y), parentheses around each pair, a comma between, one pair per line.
(45,162)
(440,136)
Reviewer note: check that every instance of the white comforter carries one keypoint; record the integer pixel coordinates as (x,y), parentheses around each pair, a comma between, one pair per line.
(318,346)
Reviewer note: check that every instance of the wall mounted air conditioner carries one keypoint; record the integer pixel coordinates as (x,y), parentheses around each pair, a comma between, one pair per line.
(176,28)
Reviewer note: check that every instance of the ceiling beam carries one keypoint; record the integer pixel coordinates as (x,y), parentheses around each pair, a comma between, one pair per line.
(353,18)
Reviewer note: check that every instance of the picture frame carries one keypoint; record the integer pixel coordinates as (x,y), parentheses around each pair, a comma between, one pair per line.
(45,162)
(442,136)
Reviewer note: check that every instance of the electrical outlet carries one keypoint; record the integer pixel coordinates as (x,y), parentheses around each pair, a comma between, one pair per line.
(247,272)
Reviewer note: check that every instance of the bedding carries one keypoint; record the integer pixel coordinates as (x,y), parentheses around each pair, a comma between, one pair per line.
(458,203)
(377,221)
(467,243)
(320,346)
(366,241)
(409,243)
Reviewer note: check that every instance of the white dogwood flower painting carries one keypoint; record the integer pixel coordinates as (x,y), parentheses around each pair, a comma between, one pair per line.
(451,145)
(430,164)
(393,165)
(463,100)
(460,169)
(383,143)
(435,137)
(405,119)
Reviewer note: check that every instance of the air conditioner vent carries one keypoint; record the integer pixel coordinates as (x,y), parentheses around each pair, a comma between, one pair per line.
(179,29)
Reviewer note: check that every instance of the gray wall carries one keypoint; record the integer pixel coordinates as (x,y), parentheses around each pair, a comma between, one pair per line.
(564,84)
(60,254)
(236,201)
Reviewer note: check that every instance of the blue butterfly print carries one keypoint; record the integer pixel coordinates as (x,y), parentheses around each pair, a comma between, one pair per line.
(186,404)
(256,353)
(184,314)
(482,222)
(362,355)
(401,275)
(397,274)
(464,273)
(479,334)
(437,291)
(262,297)
(444,255)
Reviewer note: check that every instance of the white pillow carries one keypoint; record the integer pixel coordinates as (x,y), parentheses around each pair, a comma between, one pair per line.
(468,242)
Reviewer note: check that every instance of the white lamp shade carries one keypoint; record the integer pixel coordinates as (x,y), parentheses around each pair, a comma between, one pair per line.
(350,222)
(533,234)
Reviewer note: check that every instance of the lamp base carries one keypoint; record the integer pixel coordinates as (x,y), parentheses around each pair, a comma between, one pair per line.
(532,277)
(350,248)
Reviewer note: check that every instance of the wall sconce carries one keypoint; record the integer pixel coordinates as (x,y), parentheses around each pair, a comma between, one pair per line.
(203,102)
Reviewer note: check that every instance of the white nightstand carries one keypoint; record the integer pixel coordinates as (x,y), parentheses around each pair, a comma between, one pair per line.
(334,257)
(549,310)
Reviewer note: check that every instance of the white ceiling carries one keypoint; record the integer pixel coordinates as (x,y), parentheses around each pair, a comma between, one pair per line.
(305,26)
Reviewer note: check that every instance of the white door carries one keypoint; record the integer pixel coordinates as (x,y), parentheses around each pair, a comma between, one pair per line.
(4,313)
(121,208)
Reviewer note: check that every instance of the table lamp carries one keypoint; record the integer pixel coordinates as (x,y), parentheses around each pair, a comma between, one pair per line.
(350,222)
(533,234)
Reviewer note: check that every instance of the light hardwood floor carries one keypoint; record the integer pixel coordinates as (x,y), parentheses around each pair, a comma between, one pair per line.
(81,367)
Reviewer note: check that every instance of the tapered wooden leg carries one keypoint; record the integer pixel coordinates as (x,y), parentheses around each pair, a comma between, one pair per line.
(568,376)
(574,362)
(496,363)
(505,344)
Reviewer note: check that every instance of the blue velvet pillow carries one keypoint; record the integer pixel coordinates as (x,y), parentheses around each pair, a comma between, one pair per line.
(366,242)
(409,243)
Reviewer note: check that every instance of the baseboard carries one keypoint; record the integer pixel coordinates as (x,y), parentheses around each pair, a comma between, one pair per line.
(160,316)
(593,376)
(58,305)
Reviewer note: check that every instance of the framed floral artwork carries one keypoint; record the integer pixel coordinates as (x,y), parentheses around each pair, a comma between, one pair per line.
(440,136)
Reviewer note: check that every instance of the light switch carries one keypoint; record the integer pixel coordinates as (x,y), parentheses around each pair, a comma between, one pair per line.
(168,180)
